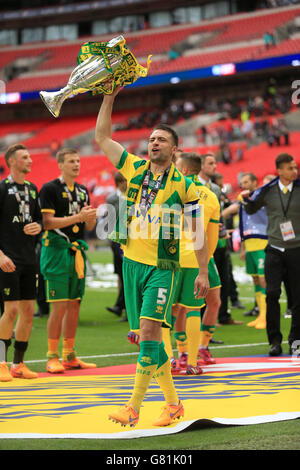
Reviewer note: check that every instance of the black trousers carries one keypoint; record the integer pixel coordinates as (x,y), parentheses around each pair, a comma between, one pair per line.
(43,306)
(233,289)
(279,264)
(222,260)
(118,262)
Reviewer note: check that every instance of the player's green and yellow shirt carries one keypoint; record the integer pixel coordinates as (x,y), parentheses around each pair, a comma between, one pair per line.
(143,232)
(210,211)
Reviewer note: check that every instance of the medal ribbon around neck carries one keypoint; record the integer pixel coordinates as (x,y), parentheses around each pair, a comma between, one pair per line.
(24,209)
(74,209)
(147,199)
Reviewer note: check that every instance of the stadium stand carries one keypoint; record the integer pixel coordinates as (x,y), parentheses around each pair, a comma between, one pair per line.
(233,38)
(260,159)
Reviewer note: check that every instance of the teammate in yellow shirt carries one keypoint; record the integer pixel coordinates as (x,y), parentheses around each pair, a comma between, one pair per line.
(192,335)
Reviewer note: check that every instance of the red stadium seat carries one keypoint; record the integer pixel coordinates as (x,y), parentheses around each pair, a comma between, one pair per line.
(231,30)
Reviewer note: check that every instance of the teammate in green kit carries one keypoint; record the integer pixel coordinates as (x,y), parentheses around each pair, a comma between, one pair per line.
(66,212)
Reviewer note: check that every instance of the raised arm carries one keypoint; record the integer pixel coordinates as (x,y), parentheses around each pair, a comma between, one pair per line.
(113,150)
(252,205)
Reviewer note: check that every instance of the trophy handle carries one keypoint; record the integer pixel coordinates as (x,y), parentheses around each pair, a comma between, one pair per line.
(54,100)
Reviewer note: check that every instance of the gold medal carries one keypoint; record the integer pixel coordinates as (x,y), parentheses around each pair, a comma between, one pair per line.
(75,229)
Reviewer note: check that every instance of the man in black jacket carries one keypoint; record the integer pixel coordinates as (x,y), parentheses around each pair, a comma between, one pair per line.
(20,223)
(281,197)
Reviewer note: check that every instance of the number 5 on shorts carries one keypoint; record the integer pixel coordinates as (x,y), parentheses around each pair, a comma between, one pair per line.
(161,297)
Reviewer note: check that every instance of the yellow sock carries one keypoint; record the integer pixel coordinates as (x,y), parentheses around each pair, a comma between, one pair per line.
(257,298)
(164,377)
(143,378)
(206,334)
(193,338)
(261,319)
(181,341)
(166,337)
(52,348)
(68,349)
(145,369)
(263,304)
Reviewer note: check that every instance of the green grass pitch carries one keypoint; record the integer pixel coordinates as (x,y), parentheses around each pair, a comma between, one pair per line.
(102,338)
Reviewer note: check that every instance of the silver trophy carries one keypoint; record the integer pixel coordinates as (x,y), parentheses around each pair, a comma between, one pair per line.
(84,78)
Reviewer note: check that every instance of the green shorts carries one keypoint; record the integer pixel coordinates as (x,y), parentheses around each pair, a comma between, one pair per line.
(255,262)
(184,292)
(65,287)
(148,292)
(213,275)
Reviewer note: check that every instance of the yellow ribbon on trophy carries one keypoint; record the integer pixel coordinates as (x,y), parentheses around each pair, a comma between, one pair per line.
(128,71)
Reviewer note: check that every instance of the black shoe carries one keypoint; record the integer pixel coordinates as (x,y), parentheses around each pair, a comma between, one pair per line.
(295,350)
(123,319)
(237,304)
(115,310)
(40,313)
(252,313)
(288,313)
(275,350)
(215,341)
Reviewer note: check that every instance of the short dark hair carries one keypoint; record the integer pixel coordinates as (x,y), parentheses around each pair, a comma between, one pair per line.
(251,176)
(208,154)
(60,156)
(164,127)
(12,149)
(283,158)
(192,161)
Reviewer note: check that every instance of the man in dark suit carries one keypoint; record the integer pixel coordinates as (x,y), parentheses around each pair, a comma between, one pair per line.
(281,197)
(115,199)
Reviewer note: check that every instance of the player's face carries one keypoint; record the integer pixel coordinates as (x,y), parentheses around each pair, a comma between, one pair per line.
(247,183)
(21,161)
(288,171)
(209,166)
(161,147)
(71,165)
